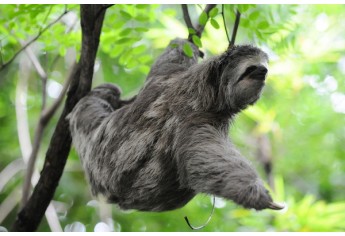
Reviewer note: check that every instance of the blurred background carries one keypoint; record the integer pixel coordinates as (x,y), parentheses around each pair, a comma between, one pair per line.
(294,135)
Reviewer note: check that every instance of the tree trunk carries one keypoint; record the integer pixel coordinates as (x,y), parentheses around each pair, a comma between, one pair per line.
(31,215)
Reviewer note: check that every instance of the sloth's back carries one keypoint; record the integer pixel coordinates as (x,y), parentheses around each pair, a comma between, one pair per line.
(135,148)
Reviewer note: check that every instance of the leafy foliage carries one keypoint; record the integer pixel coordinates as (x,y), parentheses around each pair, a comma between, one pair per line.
(301,110)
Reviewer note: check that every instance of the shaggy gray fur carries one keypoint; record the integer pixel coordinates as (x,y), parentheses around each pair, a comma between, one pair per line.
(171,142)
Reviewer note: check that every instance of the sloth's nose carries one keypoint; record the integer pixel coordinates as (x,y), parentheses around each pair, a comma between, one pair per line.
(261,70)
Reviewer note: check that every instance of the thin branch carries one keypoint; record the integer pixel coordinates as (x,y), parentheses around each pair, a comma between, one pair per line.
(234,31)
(32,40)
(24,135)
(38,67)
(49,112)
(57,57)
(30,216)
(186,17)
(46,17)
(45,116)
(224,22)
(200,28)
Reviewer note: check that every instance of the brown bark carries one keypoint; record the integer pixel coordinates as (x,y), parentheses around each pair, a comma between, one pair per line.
(31,215)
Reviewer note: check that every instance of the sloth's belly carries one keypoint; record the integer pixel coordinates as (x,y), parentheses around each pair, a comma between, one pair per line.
(154,185)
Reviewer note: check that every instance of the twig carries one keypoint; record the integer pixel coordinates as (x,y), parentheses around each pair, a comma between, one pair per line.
(45,116)
(46,17)
(24,135)
(57,57)
(186,17)
(49,112)
(32,40)
(30,216)
(200,28)
(224,22)
(234,31)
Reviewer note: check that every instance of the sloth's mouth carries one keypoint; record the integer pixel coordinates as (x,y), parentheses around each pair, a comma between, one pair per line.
(255,73)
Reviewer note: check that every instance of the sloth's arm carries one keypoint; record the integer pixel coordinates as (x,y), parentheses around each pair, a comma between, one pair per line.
(212,165)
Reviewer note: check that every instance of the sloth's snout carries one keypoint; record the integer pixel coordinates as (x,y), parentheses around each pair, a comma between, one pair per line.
(262,70)
(259,73)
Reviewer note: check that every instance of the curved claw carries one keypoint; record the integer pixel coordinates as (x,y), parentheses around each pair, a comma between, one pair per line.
(275,206)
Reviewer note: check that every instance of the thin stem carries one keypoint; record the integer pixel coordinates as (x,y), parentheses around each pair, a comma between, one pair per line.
(226,30)
(32,40)
(200,28)
(234,31)
(186,17)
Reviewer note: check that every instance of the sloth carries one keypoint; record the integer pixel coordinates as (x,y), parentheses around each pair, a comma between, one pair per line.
(158,150)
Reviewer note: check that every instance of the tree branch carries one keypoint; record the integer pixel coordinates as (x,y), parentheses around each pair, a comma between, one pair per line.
(24,135)
(224,22)
(186,17)
(45,116)
(200,28)
(30,216)
(32,40)
(234,31)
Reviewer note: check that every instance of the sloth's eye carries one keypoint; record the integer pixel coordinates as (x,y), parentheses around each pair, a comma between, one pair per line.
(249,70)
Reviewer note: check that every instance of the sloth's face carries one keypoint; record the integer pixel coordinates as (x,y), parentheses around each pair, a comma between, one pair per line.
(244,78)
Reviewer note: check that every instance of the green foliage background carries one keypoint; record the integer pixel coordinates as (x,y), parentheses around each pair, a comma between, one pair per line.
(302,110)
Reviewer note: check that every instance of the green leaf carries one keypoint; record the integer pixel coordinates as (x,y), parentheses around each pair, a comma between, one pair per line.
(141,29)
(123,40)
(139,49)
(125,57)
(213,12)
(144,69)
(245,23)
(131,63)
(187,49)
(142,6)
(203,18)
(142,18)
(125,32)
(214,23)
(191,31)
(116,51)
(254,15)
(263,25)
(245,7)
(62,51)
(125,15)
(196,41)
(145,59)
